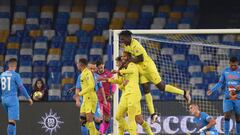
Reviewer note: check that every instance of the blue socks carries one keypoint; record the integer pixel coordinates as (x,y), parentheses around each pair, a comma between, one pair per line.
(11,129)
(84,130)
(226,126)
(237,128)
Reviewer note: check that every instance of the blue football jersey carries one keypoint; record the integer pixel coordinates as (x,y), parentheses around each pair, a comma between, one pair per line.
(10,83)
(230,80)
(203,120)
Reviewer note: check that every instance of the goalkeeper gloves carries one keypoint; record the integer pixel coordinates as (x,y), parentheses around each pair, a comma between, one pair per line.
(202,129)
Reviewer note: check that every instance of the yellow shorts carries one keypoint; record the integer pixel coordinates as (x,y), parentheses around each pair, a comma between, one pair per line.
(122,107)
(125,103)
(88,107)
(151,76)
(148,73)
(134,104)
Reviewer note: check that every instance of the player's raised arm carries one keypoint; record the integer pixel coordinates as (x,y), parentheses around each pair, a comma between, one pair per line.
(218,85)
(90,82)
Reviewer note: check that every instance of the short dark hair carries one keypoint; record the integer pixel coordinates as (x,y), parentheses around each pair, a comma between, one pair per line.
(83,61)
(233,59)
(99,62)
(126,33)
(119,58)
(12,60)
(92,62)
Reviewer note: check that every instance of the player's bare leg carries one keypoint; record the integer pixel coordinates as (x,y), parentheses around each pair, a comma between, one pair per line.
(11,127)
(175,90)
(149,101)
(146,127)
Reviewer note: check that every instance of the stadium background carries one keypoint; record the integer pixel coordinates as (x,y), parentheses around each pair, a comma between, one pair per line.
(48,36)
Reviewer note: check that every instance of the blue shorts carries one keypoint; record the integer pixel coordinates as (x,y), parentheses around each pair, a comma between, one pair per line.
(11,106)
(231,105)
(209,133)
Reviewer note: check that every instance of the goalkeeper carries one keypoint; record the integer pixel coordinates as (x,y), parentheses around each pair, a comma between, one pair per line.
(148,71)
(205,122)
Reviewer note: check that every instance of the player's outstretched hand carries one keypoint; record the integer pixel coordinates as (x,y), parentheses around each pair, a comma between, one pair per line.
(209,92)
(114,71)
(105,102)
(30,101)
(78,104)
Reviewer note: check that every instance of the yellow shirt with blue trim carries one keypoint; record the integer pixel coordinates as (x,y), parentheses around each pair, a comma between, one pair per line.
(136,49)
(87,84)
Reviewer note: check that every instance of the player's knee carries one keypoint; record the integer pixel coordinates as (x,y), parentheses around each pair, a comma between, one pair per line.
(227,116)
(161,86)
(107,119)
(98,120)
(227,119)
(12,123)
(237,118)
(83,120)
(146,88)
(139,120)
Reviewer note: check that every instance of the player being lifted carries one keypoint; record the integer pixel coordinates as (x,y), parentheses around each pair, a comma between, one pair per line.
(108,90)
(230,79)
(148,71)
(10,83)
(204,122)
(88,107)
(128,80)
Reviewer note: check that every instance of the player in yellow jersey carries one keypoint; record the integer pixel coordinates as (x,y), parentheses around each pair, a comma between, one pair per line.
(88,93)
(148,71)
(130,90)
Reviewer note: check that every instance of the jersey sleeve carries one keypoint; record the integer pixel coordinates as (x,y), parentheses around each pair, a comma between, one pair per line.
(220,82)
(78,83)
(89,78)
(137,48)
(21,87)
(207,117)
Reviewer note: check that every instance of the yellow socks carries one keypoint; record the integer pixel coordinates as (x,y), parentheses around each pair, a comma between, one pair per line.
(91,128)
(147,128)
(172,89)
(149,101)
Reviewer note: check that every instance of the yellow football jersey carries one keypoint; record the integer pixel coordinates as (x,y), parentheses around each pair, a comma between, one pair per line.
(136,49)
(131,75)
(87,83)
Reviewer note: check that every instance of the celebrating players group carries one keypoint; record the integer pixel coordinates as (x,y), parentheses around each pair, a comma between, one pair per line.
(96,85)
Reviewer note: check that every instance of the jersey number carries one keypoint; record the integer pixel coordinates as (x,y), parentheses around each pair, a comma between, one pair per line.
(6,81)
